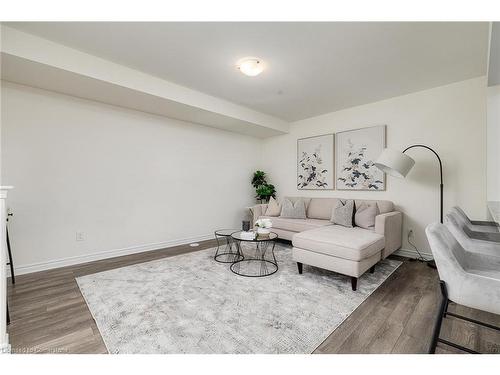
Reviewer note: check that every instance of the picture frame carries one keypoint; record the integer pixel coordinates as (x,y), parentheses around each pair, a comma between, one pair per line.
(315,162)
(356,151)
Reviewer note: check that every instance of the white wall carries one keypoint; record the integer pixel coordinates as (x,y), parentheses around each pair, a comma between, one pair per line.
(494,143)
(451,119)
(134,181)
(127,179)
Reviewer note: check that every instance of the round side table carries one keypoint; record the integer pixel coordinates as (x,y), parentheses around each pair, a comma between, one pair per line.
(262,263)
(227,252)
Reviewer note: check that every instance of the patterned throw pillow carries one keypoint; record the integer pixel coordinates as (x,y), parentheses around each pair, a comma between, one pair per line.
(342,213)
(365,215)
(295,210)
(273,208)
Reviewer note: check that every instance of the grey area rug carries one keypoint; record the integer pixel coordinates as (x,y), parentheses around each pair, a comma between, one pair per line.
(191,304)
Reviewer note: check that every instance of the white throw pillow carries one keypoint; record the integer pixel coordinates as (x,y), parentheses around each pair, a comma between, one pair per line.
(365,215)
(273,208)
(295,210)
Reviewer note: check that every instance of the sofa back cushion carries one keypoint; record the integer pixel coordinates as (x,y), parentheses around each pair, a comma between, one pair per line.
(321,208)
(383,206)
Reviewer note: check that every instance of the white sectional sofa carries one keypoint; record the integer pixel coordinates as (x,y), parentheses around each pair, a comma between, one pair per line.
(350,251)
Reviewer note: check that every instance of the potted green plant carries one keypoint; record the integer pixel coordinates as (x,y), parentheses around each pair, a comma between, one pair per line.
(258,179)
(263,190)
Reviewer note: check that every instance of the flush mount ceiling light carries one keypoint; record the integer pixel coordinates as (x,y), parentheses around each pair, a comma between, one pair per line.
(250,66)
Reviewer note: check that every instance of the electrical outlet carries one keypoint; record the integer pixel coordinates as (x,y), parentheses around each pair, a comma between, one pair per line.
(80,236)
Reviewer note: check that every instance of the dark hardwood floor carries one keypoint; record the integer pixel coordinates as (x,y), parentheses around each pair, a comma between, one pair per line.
(49,314)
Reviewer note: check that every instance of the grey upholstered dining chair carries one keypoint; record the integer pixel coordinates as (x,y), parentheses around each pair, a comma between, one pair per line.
(467,278)
(471,243)
(475,225)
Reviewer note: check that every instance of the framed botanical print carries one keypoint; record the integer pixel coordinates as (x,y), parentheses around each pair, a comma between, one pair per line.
(356,151)
(315,166)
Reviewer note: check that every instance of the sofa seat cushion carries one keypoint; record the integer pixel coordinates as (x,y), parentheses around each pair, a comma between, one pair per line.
(296,225)
(335,240)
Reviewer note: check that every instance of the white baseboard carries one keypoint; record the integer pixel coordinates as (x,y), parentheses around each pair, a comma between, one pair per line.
(412,253)
(70,261)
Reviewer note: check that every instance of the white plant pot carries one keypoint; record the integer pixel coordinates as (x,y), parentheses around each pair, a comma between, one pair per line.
(263,231)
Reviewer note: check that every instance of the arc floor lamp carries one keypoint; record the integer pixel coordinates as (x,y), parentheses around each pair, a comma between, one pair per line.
(398,164)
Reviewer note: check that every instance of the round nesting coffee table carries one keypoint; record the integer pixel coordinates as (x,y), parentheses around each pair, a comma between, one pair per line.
(262,262)
(227,252)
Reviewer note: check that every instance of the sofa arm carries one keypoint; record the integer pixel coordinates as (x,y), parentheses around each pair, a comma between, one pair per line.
(256,211)
(390,225)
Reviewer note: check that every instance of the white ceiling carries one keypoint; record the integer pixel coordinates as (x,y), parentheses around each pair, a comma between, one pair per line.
(312,68)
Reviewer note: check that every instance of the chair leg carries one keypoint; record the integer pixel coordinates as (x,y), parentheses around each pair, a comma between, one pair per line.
(11,262)
(299,266)
(446,304)
(442,311)
(354,283)
(372,270)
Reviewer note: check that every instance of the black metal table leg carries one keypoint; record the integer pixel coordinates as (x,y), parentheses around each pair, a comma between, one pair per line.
(266,267)
(227,251)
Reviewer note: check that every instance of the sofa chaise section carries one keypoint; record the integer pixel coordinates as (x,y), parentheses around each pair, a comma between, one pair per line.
(349,251)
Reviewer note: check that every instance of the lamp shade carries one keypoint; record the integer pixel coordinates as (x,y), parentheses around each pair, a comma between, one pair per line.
(394,163)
